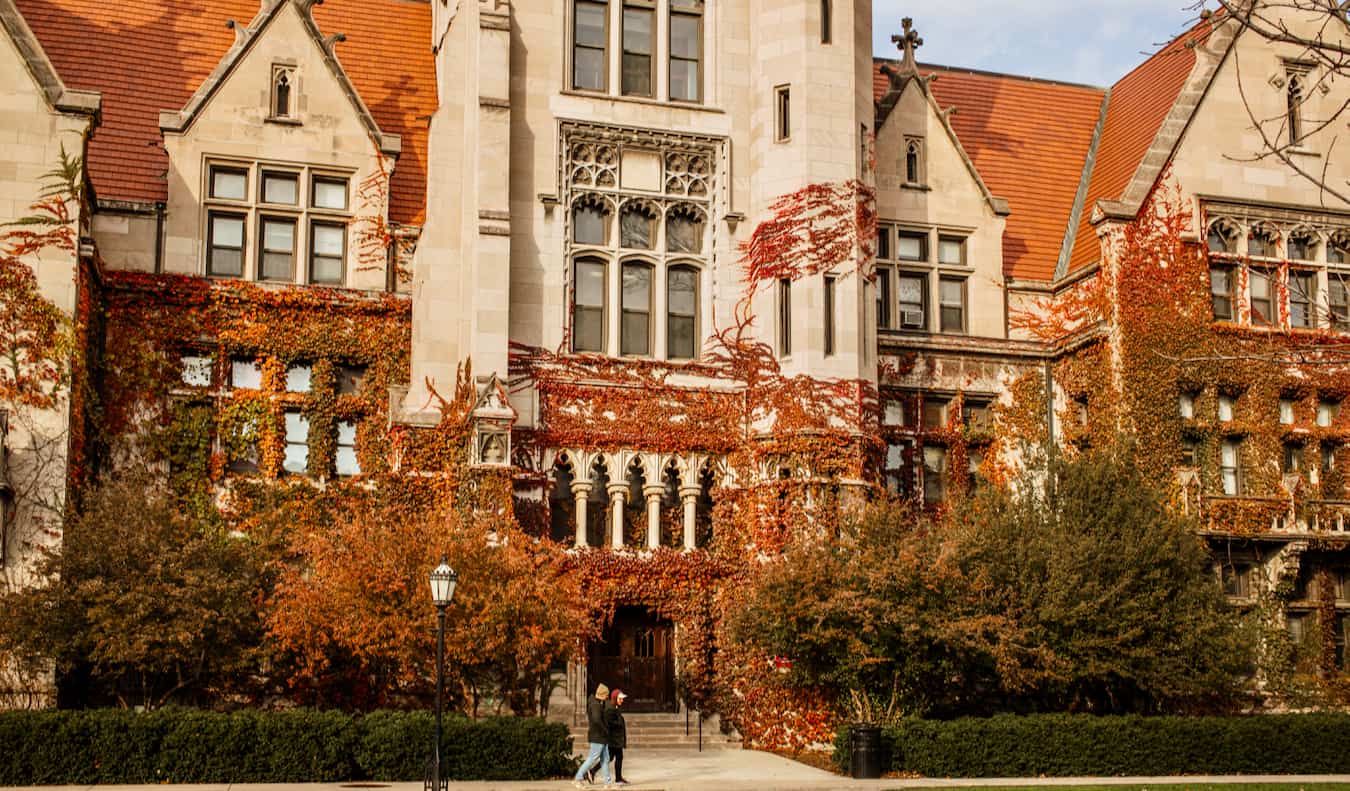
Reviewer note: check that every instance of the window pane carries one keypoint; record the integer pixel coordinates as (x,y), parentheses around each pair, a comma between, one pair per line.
(588,225)
(197,371)
(637,75)
(278,266)
(1336,253)
(637,31)
(1301,248)
(952,320)
(227,231)
(588,329)
(297,378)
(326,270)
(636,230)
(227,262)
(330,194)
(297,427)
(683,235)
(588,69)
(590,284)
(350,378)
(912,247)
(635,331)
(683,295)
(684,80)
(279,188)
(229,184)
(952,292)
(685,37)
(346,462)
(952,251)
(346,431)
(637,288)
(680,337)
(328,240)
(245,374)
(590,23)
(884,242)
(296,460)
(884,298)
(279,236)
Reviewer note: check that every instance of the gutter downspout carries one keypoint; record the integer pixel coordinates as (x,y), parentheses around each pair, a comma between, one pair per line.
(159,237)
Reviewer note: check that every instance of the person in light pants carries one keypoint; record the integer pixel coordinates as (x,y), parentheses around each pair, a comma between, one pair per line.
(597,734)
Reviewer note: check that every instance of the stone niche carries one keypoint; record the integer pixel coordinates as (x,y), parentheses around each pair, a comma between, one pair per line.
(492,418)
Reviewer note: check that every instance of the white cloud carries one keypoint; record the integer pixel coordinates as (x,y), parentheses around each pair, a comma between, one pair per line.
(1089,41)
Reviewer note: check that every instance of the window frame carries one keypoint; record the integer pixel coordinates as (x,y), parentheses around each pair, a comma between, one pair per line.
(211,216)
(923,278)
(922,237)
(885,297)
(212,168)
(1230,296)
(648,7)
(625,311)
(671,315)
(699,70)
(943,306)
(915,162)
(1235,470)
(602,308)
(338,445)
(263,251)
(1271,298)
(572,81)
(784,311)
(830,286)
(959,241)
(1308,301)
(782,113)
(314,224)
(826,22)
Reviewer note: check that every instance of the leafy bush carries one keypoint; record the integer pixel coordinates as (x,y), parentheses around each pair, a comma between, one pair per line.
(190,746)
(1064,745)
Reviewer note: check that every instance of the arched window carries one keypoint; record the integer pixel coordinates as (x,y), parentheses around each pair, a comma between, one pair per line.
(1302,245)
(684,233)
(636,224)
(1294,99)
(913,161)
(682,313)
(636,332)
(590,224)
(588,306)
(281,91)
(1222,237)
(1263,242)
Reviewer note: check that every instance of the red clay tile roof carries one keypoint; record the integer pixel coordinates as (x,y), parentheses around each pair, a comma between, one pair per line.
(145,56)
(1028,140)
(1139,104)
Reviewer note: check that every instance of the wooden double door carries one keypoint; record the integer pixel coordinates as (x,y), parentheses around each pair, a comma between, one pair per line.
(636,654)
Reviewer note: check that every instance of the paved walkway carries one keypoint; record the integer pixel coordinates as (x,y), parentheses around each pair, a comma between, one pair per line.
(728,770)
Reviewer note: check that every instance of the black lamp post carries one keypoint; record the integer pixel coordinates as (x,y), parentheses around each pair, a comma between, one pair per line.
(443,581)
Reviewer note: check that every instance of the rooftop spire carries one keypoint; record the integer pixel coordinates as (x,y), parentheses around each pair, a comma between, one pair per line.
(908,42)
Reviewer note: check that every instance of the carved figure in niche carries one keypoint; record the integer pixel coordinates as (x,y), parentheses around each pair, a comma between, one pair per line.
(493,449)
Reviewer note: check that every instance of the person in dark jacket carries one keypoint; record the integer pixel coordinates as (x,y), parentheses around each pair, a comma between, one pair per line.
(597,734)
(618,734)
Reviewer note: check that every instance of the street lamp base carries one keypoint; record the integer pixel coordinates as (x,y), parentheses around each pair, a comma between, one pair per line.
(434,781)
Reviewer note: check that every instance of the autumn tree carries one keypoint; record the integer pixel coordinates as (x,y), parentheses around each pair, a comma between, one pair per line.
(155,606)
(354,612)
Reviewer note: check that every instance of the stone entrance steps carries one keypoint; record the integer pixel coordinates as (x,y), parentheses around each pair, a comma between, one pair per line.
(665,731)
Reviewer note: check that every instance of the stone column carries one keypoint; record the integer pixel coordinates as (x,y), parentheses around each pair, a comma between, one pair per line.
(581,490)
(653,495)
(617,493)
(689,497)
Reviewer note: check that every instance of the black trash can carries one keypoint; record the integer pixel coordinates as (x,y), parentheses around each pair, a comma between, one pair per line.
(865,753)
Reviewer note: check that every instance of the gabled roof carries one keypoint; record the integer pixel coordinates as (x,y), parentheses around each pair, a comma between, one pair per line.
(1029,140)
(180,120)
(1141,102)
(144,56)
(40,67)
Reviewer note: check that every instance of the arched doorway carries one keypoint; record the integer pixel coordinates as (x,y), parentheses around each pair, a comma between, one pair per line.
(636,653)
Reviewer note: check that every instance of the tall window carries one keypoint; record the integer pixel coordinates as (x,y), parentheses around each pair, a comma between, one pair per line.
(913,161)
(1263,297)
(639,40)
(784,317)
(282,79)
(830,281)
(1294,102)
(782,113)
(588,311)
(953,303)
(913,292)
(347,462)
(278,249)
(327,250)
(686,50)
(1221,292)
(884,299)
(589,34)
(826,21)
(635,330)
(1230,467)
(1302,298)
(1338,300)
(296,460)
(934,474)
(682,312)
(225,245)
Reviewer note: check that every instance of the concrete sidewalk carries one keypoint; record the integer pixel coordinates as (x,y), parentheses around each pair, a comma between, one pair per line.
(728,770)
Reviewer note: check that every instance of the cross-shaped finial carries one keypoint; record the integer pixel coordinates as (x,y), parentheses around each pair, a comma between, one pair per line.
(908,42)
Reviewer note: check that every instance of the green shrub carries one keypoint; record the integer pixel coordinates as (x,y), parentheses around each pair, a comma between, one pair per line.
(190,746)
(1062,745)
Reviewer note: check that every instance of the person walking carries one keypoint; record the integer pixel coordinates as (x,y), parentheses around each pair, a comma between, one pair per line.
(597,734)
(618,733)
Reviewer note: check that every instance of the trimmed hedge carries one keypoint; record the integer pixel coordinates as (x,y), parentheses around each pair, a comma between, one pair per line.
(1068,745)
(113,746)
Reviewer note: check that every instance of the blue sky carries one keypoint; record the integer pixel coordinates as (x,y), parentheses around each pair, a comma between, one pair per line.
(1086,41)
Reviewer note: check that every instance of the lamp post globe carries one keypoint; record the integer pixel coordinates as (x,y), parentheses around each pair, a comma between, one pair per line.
(443,582)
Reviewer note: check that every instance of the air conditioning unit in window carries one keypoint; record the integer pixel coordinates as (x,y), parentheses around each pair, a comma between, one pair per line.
(911,318)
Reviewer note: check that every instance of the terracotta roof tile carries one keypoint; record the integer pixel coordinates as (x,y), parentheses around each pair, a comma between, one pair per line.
(1139,104)
(1028,140)
(150,55)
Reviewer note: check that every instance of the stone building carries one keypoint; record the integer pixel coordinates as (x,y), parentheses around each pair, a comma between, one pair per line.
(648,225)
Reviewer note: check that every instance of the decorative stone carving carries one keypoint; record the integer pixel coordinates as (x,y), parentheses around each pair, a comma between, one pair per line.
(492,418)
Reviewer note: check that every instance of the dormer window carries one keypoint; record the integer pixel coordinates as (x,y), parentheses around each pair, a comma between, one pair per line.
(283,81)
(913,160)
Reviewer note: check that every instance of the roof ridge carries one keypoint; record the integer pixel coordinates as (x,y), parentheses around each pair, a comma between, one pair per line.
(989,73)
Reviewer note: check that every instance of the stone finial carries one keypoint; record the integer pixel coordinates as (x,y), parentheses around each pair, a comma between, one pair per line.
(908,42)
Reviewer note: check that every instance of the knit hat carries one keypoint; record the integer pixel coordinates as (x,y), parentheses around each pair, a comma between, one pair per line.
(601,692)
(620,696)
